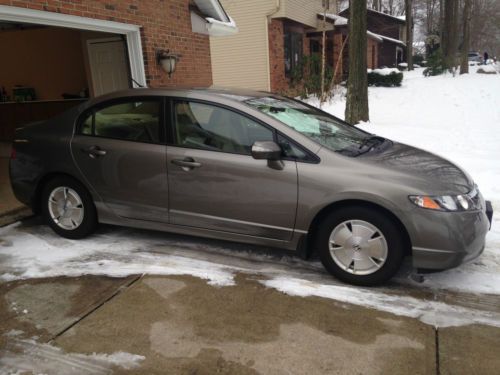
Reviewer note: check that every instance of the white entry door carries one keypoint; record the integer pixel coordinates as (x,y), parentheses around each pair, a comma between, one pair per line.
(108,66)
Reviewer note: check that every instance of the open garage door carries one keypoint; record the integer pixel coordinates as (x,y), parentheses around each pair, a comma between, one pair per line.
(57,61)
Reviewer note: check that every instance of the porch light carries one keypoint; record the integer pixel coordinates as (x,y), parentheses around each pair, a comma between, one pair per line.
(167,61)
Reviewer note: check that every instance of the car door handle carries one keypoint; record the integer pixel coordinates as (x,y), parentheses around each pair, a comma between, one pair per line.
(186,163)
(94,151)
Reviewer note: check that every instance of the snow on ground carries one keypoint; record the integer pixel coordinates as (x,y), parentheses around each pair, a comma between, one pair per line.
(29,356)
(456,117)
(34,251)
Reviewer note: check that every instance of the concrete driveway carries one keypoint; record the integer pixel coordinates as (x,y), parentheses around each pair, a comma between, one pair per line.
(204,307)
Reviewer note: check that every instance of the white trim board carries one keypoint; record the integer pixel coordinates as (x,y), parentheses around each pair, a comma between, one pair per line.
(132,32)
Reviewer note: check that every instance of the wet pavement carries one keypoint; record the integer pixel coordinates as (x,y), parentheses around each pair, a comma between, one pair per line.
(182,325)
(234,323)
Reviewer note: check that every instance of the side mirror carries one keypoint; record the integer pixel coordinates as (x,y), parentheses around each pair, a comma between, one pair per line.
(267,150)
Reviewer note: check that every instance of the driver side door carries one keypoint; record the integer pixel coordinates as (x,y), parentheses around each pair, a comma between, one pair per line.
(215,183)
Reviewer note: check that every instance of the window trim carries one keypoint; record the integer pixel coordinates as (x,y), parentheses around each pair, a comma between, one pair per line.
(171,134)
(172,124)
(116,101)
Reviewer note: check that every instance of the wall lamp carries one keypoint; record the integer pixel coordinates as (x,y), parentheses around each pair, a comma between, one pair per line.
(167,60)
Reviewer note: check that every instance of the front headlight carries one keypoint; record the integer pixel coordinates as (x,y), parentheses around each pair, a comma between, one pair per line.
(462,202)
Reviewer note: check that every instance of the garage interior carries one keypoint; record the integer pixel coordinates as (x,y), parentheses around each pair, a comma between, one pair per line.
(45,70)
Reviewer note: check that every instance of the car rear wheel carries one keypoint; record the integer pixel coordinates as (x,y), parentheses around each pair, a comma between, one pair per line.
(68,208)
(360,245)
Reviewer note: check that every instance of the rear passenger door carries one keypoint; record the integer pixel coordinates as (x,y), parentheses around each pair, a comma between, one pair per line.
(119,147)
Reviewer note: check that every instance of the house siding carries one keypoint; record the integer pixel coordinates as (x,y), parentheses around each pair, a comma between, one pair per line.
(303,11)
(242,60)
(164,25)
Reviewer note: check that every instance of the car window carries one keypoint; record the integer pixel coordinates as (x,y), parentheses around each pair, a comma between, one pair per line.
(132,120)
(209,127)
(292,150)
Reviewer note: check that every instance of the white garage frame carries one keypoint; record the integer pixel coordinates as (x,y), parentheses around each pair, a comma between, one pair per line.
(132,32)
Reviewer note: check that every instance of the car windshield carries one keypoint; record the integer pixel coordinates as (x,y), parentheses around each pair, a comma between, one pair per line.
(317,125)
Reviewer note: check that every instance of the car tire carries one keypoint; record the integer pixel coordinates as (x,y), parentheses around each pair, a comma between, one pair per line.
(68,208)
(369,236)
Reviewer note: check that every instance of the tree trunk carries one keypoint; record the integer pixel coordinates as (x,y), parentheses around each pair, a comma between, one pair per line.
(450,31)
(409,33)
(323,57)
(464,61)
(356,109)
(441,22)
(376,5)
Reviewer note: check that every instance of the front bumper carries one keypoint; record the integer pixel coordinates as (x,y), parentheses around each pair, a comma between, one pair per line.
(448,239)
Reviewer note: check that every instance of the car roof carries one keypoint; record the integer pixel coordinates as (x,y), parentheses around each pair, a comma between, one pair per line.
(238,95)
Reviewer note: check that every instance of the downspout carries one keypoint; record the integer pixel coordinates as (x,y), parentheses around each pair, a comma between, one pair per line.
(267,20)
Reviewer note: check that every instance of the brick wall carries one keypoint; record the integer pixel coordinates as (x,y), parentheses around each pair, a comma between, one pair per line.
(279,82)
(166,24)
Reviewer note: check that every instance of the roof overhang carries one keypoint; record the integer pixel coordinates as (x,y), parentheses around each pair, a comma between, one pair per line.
(397,19)
(214,20)
(212,9)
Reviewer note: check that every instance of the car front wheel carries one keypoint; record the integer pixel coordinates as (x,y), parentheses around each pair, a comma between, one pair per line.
(360,245)
(68,208)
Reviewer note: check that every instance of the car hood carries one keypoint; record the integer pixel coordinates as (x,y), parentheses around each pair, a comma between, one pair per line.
(429,171)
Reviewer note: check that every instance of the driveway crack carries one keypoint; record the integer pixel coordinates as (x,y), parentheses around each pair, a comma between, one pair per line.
(120,290)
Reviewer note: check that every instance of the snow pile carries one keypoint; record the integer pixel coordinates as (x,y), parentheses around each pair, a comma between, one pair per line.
(30,356)
(384,71)
(435,313)
(488,69)
(39,253)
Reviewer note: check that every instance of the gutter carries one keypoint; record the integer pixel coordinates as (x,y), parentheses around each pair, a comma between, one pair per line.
(220,28)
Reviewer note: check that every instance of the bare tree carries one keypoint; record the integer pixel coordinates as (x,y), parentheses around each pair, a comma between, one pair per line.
(357,83)
(326,5)
(464,58)
(409,33)
(376,5)
(485,26)
(430,8)
(449,40)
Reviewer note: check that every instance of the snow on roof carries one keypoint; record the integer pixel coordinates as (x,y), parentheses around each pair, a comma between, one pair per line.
(399,19)
(375,36)
(337,20)
(397,41)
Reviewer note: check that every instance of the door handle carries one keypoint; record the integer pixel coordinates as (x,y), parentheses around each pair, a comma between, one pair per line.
(186,163)
(94,151)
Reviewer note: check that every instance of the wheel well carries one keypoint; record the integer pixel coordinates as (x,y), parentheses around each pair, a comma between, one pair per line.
(37,197)
(313,228)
